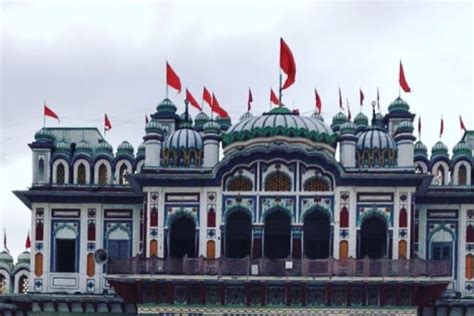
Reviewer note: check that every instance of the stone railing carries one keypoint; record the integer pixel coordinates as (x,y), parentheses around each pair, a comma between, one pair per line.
(281,267)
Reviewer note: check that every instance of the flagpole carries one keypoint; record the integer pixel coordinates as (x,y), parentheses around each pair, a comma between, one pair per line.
(280,90)
(44,116)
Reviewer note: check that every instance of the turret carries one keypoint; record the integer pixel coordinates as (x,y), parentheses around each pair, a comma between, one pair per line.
(211,139)
(398,111)
(42,148)
(405,148)
(347,144)
(153,140)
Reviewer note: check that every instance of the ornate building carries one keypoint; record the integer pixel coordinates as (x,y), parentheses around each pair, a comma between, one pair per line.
(276,224)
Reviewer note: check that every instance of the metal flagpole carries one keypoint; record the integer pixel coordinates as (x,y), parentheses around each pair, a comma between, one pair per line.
(44,115)
(280,91)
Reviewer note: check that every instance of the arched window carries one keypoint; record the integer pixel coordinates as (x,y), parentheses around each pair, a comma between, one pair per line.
(40,170)
(81,174)
(102,174)
(316,184)
(316,232)
(403,218)
(60,174)
(470,233)
(91,231)
(154,216)
(238,235)
(440,176)
(23,284)
(239,183)
(3,284)
(122,173)
(277,181)
(462,175)
(277,235)
(39,231)
(183,238)
(211,218)
(344,218)
(373,238)
(469,267)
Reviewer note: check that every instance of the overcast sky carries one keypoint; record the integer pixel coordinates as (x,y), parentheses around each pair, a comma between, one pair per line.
(87,58)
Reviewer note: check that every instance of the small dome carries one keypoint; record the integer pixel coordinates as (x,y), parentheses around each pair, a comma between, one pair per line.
(404,127)
(212,127)
(153,127)
(200,119)
(6,260)
(224,122)
(421,149)
(361,120)
(125,148)
(24,257)
(462,149)
(399,105)
(439,149)
(347,128)
(141,150)
(184,138)
(185,120)
(83,147)
(317,116)
(375,138)
(104,148)
(245,116)
(338,119)
(63,147)
(43,135)
(166,106)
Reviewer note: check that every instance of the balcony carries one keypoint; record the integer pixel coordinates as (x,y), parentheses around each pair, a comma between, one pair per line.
(280,267)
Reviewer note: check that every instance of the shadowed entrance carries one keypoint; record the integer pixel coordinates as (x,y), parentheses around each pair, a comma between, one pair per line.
(277,235)
(182,237)
(238,235)
(316,230)
(373,235)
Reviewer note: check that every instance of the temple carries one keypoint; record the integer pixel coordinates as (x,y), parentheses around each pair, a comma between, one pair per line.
(276,212)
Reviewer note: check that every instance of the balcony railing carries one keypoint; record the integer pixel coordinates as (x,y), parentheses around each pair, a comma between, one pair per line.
(281,267)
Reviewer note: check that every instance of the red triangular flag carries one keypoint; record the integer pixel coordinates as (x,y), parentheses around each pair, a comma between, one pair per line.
(341,106)
(318,101)
(274,98)
(107,124)
(192,100)
(146,119)
(172,78)
(50,113)
(419,127)
(216,107)
(402,79)
(28,241)
(441,128)
(287,64)
(361,95)
(250,100)
(206,96)
(461,123)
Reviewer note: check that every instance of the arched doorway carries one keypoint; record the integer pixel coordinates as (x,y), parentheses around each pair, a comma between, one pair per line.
(238,235)
(316,232)
(373,235)
(277,236)
(183,237)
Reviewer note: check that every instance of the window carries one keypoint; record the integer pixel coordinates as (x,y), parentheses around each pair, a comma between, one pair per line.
(65,255)
(40,170)
(316,184)
(118,248)
(60,174)
(440,176)
(23,284)
(3,284)
(277,181)
(470,233)
(462,175)
(102,174)
(211,218)
(239,183)
(469,267)
(403,218)
(122,173)
(81,174)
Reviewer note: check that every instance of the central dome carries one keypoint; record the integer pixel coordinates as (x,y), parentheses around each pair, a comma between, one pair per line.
(280,122)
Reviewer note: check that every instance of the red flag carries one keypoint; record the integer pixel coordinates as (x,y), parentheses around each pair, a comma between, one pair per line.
(146,119)
(192,100)
(318,101)
(206,96)
(28,241)
(50,113)
(172,78)
(340,100)
(250,100)
(107,124)
(361,95)
(441,128)
(461,123)
(216,107)
(419,127)
(274,98)
(287,64)
(402,80)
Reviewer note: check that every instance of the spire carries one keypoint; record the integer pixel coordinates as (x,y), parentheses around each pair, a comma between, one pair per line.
(373,112)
